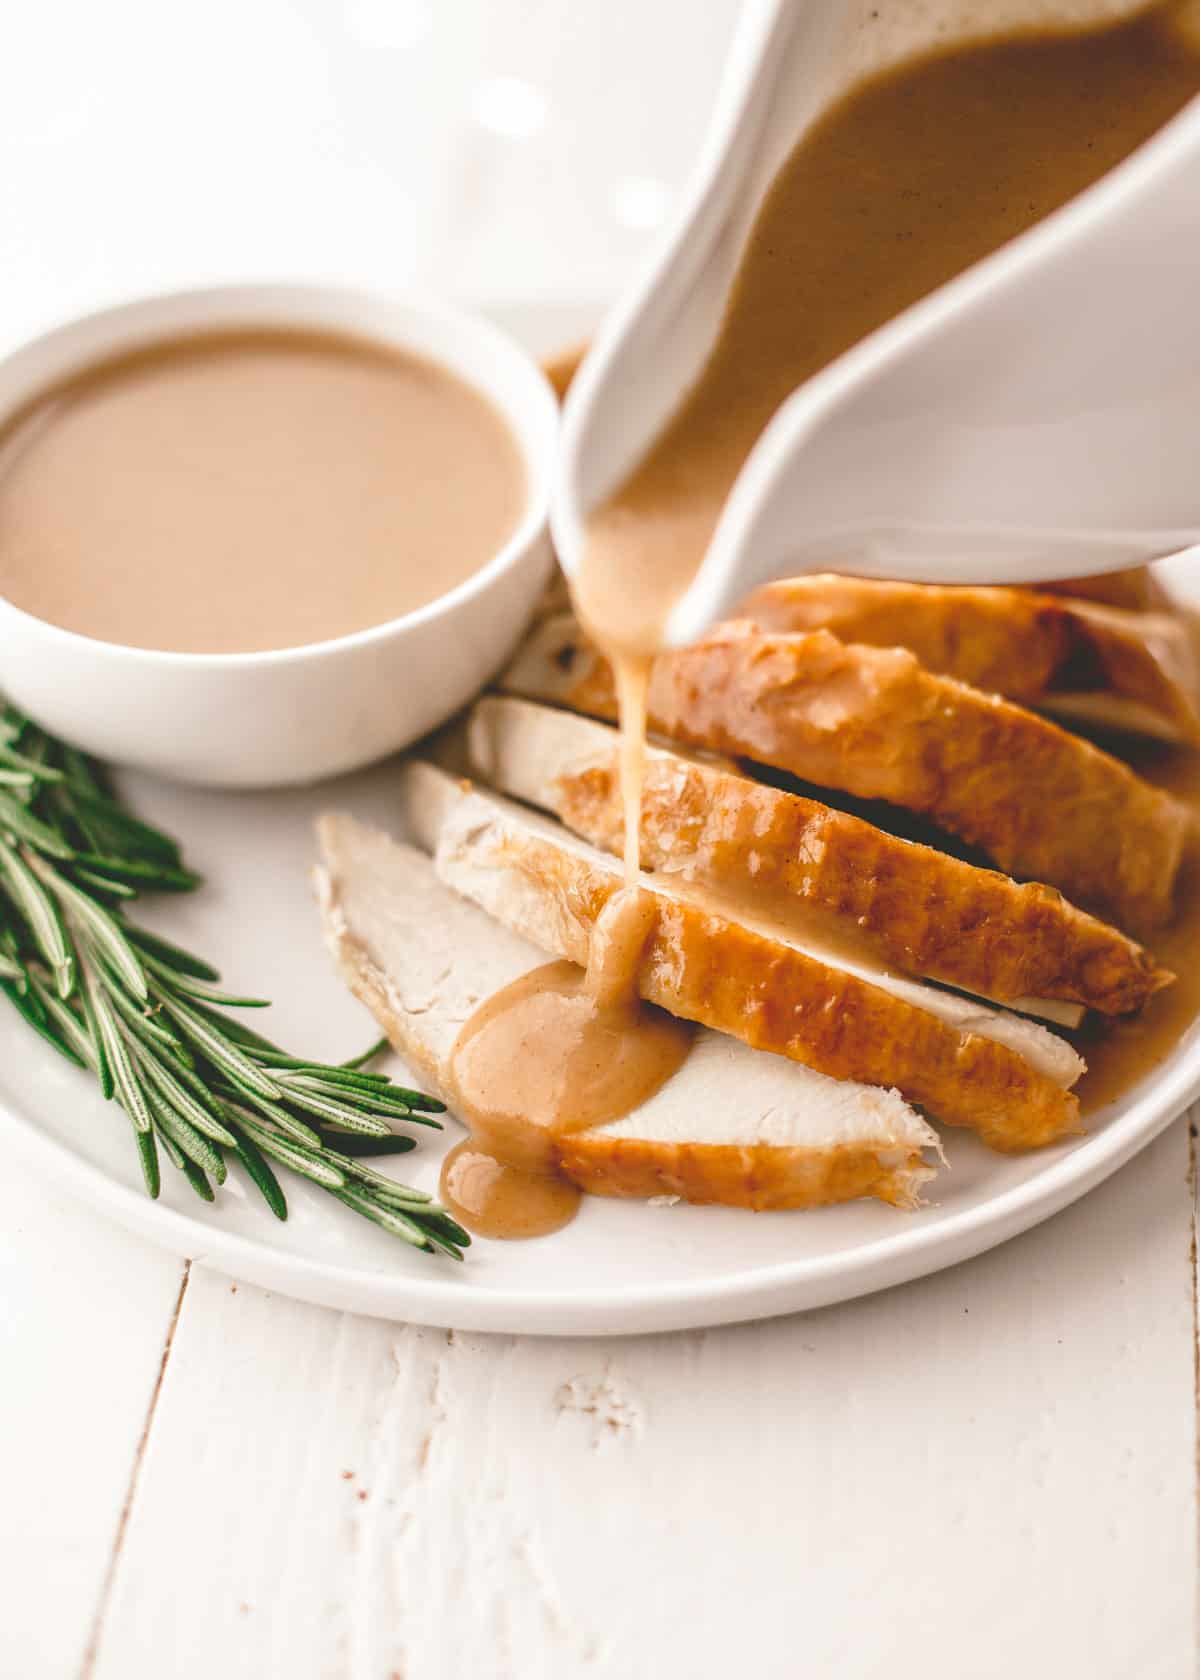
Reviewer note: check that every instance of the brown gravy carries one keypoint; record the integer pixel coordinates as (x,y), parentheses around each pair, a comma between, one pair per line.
(235,491)
(556,1051)
(906,181)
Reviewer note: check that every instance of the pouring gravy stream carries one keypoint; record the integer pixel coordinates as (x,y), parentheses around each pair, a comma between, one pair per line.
(907,180)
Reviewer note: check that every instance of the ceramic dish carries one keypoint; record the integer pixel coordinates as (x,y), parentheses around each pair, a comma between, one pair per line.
(290,714)
(622,1266)
(1068,446)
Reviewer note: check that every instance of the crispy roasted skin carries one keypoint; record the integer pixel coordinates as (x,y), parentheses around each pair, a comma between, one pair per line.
(1043,804)
(1029,646)
(707,968)
(924,912)
(759,1176)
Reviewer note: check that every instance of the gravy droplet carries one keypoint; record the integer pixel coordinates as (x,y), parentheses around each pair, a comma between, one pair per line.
(495,1200)
(557,1051)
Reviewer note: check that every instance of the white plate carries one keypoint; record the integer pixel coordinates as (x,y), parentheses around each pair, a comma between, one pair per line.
(622,1266)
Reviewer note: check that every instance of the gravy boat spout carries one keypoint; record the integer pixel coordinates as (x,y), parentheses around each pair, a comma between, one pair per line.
(1031,419)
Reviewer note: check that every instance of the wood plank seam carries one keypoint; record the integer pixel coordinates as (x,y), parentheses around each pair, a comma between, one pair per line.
(91,1651)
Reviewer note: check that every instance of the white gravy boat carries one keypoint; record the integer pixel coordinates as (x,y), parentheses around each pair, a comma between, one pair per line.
(1036,417)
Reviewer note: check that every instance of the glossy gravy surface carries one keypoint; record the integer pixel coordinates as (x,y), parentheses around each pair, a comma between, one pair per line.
(236,491)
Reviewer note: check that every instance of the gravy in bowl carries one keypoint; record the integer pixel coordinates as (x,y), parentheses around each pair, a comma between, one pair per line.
(236,491)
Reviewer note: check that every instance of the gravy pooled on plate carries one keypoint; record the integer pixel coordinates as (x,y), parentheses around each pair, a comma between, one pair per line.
(235,491)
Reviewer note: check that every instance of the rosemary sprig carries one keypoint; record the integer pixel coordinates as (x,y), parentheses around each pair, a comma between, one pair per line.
(149,1021)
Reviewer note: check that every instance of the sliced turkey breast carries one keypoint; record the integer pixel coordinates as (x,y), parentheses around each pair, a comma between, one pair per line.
(1135,671)
(731,1126)
(817,870)
(966,1062)
(1043,804)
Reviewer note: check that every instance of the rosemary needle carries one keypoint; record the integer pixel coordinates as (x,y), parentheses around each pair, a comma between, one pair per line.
(148,1022)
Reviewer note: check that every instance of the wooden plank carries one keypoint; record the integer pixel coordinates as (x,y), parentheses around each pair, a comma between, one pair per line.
(988,1472)
(84,1311)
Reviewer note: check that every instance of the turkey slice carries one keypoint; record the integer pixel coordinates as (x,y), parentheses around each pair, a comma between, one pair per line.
(1135,671)
(731,1126)
(818,869)
(1043,804)
(966,1062)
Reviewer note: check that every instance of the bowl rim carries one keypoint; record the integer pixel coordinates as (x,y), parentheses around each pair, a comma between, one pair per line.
(261,299)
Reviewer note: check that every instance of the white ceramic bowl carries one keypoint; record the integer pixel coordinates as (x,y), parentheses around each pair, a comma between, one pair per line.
(295,714)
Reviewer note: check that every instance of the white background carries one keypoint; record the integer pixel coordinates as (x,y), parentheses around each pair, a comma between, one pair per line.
(986,1474)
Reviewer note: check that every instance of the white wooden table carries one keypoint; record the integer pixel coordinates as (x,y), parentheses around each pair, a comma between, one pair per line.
(989,1473)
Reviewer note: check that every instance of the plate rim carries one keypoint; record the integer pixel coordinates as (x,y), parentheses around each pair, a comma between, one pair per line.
(759,1292)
